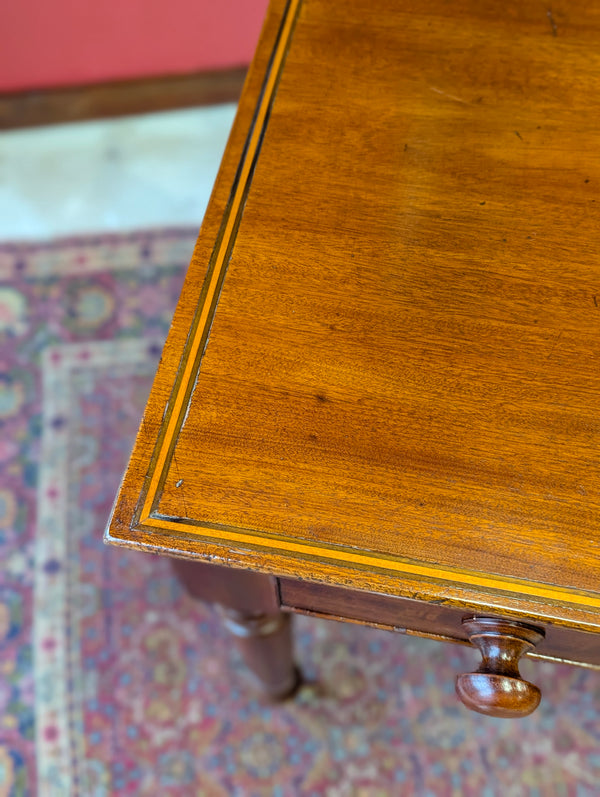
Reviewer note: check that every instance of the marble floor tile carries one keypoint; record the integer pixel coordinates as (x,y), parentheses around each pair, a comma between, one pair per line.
(109,175)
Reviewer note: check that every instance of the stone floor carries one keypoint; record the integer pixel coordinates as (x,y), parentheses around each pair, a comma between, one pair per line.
(111,175)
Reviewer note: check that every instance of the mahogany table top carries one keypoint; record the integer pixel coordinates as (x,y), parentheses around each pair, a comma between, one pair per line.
(384,370)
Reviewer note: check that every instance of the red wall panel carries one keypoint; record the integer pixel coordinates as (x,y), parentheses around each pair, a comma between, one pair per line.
(46,43)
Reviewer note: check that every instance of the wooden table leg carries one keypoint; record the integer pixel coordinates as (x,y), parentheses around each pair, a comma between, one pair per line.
(249,604)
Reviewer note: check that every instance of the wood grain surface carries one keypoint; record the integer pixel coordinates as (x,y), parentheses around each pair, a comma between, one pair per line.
(384,369)
(119,98)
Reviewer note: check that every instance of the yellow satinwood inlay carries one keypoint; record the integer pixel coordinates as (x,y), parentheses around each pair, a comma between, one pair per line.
(341,555)
(372,560)
(220,262)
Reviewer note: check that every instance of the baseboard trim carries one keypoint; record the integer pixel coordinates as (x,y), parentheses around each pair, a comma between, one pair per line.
(119,98)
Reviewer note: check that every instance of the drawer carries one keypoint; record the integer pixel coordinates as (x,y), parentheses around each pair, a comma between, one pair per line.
(427,619)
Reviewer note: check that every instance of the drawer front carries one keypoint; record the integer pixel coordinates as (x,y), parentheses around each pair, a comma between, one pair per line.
(410,616)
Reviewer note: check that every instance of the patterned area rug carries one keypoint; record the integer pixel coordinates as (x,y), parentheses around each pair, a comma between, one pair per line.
(113,682)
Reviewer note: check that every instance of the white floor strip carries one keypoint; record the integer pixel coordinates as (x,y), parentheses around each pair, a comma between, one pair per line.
(109,175)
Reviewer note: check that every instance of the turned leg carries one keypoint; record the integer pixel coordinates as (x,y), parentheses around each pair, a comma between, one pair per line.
(265,642)
(251,613)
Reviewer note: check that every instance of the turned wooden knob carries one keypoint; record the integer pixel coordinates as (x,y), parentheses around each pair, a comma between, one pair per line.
(497,688)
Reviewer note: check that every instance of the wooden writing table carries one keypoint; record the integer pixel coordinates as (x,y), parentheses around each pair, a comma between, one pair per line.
(379,397)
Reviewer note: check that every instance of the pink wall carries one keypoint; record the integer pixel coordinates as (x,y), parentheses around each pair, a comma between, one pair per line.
(64,42)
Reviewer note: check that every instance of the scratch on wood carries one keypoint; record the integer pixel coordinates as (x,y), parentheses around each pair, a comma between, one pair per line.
(450,96)
(552,22)
(179,483)
(518,135)
(558,337)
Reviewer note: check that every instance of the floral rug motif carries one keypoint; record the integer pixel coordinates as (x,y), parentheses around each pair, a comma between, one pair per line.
(113,682)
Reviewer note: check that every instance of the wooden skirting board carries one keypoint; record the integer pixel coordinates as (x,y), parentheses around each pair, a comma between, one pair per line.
(119,98)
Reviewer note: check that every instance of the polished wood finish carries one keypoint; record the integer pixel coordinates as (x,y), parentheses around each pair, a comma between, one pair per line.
(497,688)
(231,589)
(265,643)
(383,371)
(421,618)
(249,605)
(119,98)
